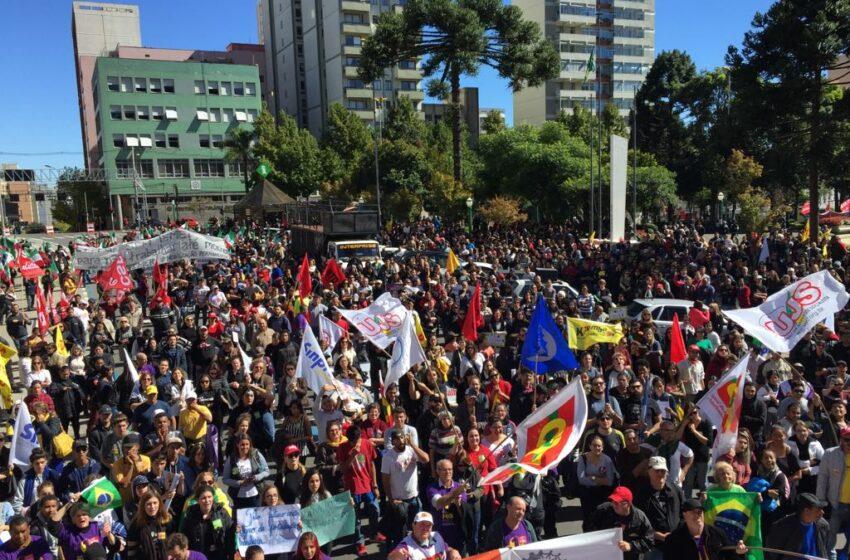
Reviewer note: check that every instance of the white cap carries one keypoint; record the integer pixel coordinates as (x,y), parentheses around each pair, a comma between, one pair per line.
(423,516)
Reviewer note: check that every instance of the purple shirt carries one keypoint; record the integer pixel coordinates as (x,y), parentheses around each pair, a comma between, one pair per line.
(517,537)
(193,555)
(447,521)
(38,549)
(71,538)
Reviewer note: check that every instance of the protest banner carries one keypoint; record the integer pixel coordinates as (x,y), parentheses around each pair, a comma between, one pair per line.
(173,245)
(598,545)
(583,334)
(275,529)
(330,519)
(380,321)
(786,316)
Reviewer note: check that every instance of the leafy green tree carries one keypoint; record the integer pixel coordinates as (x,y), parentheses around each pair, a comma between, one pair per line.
(73,192)
(403,124)
(292,153)
(456,37)
(494,122)
(239,146)
(782,66)
(739,173)
(346,137)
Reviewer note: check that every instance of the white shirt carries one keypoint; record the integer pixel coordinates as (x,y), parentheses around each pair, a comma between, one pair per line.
(401,466)
(674,463)
(692,375)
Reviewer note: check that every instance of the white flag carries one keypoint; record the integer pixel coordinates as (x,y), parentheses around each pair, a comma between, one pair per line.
(312,365)
(246,359)
(785,317)
(329,332)
(380,321)
(721,406)
(407,352)
(24,440)
(130,366)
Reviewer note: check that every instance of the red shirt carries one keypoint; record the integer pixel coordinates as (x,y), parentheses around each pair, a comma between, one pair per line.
(490,391)
(358,476)
(482,460)
(30,400)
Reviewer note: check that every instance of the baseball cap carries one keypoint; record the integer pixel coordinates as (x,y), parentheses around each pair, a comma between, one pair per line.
(130,440)
(658,463)
(291,450)
(423,516)
(105,410)
(809,500)
(174,437)
(693,347)
(621,494)
(151,390)
(140,480)
(692,504)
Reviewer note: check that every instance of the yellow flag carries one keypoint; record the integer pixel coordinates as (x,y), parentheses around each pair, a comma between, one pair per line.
(805,235)
(583,334)
(452,262)
(417,327)
(6,354)
(592,237)
(826,234)
(825,251)
(61,349)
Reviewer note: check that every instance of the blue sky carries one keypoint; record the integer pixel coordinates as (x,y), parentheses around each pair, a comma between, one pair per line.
(38,98)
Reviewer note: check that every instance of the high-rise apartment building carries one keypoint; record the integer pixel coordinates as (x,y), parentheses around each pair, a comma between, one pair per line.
(619,33)
(312,56)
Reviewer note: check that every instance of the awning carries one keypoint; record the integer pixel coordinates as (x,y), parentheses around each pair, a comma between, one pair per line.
(202,116)
(171,114)
(241,116)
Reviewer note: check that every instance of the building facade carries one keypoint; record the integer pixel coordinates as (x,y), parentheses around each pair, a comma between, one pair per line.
(22,198)
(620,34)
(312,56)
(160,130)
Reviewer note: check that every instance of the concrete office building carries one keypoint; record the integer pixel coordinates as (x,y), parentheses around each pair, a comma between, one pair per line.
(163,114)
(472,116)
(22,198)
(620,33)
(312,55)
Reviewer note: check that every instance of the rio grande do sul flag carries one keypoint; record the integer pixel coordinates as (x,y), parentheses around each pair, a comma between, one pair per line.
(548,435)
(785,317)
(721,406)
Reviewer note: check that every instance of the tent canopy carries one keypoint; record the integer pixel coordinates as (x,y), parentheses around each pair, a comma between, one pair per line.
(263,198)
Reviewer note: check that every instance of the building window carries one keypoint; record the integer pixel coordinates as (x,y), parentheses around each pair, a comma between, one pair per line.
(172,168)
(215,115)
(160,140)
(353,40)
(145,140)
(168,85)
(129,112)
(357,104)
(226,115)
(224,89)
(217,141)
(199,86)
(143,113)
(156,113)
(115,112)
(156,85)
(250,88)
(353,18)
(357,84)
(407,65)
(141,85)
(406,85)
(117,140)
(201,114)
(352,61)
(240,116)
(378,85)
(126,85)
(238,88)
(171,113)
(388,85)
(234,169)
(124,167)
(212,88)
(112,83)
(173,141)
(209,168)
(204,140)
(252,115)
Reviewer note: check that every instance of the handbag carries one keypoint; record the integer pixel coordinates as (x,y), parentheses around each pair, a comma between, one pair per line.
(63,445)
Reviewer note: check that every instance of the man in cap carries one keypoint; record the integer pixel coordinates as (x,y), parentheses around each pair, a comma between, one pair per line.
(511,529)
(805,532)
(694,540)
(422,543)
(661,502)
(145,413)
(834,485)
(97,433)
(618,511)
(73,477)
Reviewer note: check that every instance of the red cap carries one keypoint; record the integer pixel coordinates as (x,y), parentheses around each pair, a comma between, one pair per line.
(621,494)
(693,347)
(291,450)
(845,431)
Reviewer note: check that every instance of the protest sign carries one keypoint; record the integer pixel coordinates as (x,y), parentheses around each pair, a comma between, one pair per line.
(330,519)
(173,245)
(380,321)
(598,545)
(275,529)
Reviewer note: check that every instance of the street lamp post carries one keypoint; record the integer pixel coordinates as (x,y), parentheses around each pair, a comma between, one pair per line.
(378,105)
(634,159)
(469,203)
(720,197)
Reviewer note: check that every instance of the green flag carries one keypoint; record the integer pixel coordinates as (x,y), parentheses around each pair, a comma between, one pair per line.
(738,514)
(101,495)
(591,65)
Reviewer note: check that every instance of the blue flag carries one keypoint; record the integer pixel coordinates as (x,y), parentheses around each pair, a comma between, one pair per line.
(545,349)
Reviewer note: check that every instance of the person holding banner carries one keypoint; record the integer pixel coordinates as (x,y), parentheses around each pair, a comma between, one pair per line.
(695,540)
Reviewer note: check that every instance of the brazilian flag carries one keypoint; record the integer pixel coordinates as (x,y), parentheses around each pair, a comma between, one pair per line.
(101,495)
(738,514)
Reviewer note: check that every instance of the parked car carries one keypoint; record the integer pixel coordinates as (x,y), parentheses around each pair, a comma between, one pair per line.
(661,309)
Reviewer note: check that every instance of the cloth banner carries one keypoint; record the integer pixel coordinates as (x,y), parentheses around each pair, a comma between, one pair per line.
(721,406)
(275,529)
(24,439)
(312,366)
(173,245)
(330,519)
(738,514)
(785,317)
(329,331)
(380,322)
(598,545)
(545,350)
(407,352)
(583,333)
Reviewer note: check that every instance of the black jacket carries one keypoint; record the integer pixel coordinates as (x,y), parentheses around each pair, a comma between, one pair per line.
(67,397)
(212,537)
(662,508)
(787,534)
(637,531)
(680,545)
(753,415)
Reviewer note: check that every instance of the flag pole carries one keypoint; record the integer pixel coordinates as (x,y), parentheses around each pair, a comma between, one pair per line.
(777,551)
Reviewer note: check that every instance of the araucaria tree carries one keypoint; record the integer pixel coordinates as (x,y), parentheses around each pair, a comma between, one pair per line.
(455,37)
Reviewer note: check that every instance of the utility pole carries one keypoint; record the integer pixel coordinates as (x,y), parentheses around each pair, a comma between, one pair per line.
(176,212)
(378,101)
(634,159)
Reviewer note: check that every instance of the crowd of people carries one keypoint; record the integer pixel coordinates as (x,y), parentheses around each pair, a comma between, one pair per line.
(218,420)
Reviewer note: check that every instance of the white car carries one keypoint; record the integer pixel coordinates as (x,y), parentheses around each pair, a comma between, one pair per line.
(661,309)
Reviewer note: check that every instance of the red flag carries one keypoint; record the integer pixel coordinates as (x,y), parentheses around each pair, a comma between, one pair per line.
(161,297)
(845,206)
(677,343)
(29,269)
(305,282)
(332,274)
(41,310)
(54,311)
(474,318)
(160,274)
(805,209)
(116,277)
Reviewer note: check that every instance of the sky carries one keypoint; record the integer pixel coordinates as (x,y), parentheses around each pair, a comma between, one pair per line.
(38,101)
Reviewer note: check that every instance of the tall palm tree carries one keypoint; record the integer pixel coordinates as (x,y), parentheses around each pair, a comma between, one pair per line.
(240,147)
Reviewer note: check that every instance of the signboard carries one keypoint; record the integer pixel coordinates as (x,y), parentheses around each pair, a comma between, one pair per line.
(90,227)
(330,519)
(195,184)
(173,245)
(275,529)
(496,339)
(263,170)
